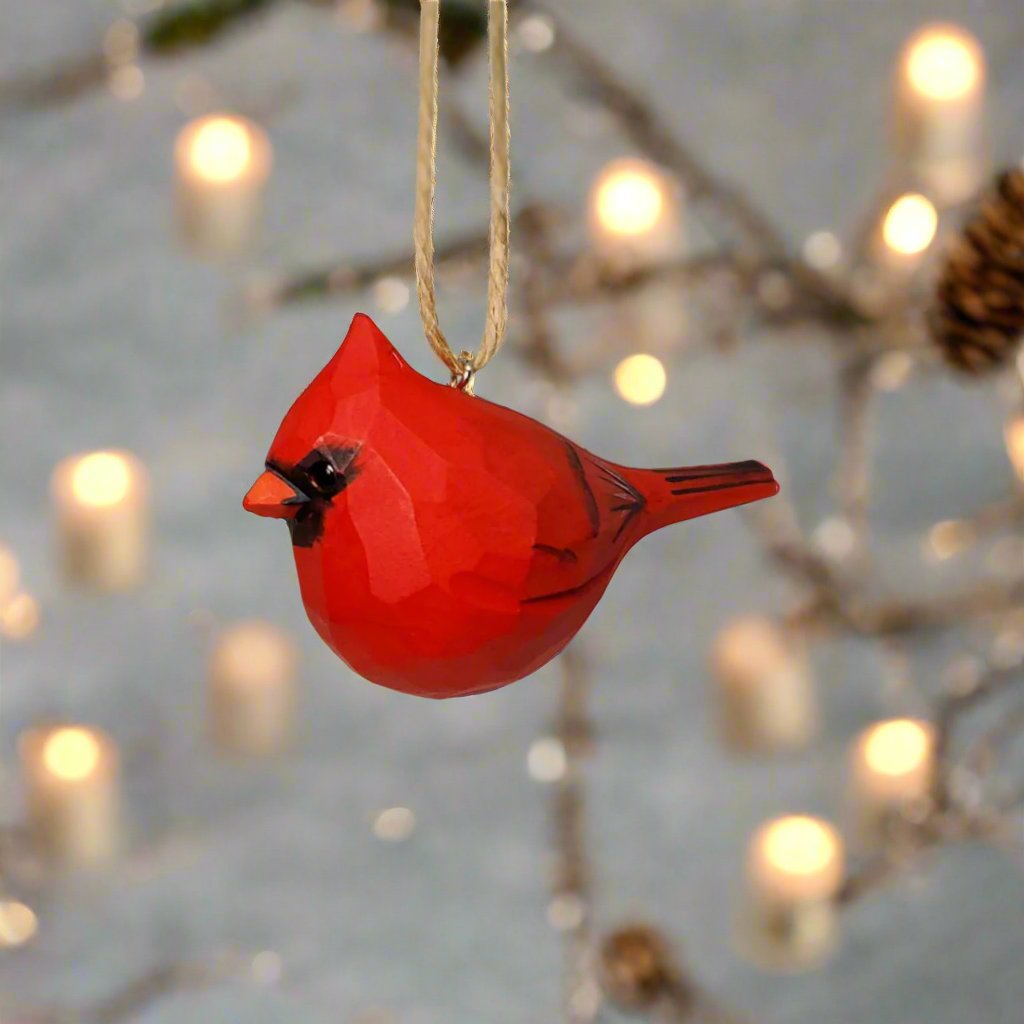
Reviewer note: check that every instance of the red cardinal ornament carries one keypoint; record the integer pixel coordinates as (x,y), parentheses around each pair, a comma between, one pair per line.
(446,545)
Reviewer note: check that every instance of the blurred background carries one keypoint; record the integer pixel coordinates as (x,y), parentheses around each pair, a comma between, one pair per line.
(780,776)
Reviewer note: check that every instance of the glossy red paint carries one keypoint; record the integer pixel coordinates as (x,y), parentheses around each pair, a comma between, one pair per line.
(446,545)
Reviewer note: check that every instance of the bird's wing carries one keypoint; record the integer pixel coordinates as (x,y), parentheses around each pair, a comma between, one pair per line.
(583,526)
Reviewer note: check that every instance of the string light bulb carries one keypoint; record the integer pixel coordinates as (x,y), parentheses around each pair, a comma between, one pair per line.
(18,924)
(640,379)
(764,689)
(635,214)
(102,511)
(220,148)
(10,574)
(943,62)
(940,111)
(71,753)
(799,854)
(795,866)
(71,775)
(19,617)
(101,479)
(1013,434)
(223,162)
(547,760)
(394,824)
(892,766)
(948,538)
(252,689)
(897,747)
(910,224)
(628,198)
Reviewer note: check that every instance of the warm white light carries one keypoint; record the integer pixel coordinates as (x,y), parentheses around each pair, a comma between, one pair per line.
(546,760)
(266,967)
(910,224)
(836,537)
(101,479)
(752,648)
(891,371)
(795,860)
(640,379)
(566,911)
(536,32)
(254,655)
(949,538)
(220,149)
(10,575)
(121,42)
(823,250)
(799,845)
(71,753)
(18,923)
(943,62)
(394,824)
(391,294)
(1014,436)
(628,198)
(901,746)
(19,616)
(127,82)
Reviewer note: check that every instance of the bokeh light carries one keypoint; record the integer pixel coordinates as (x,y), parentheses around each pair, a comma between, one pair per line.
(628,198)
(640,379)
(220,149)
(799,845)
(910,224)
(18,923)
(10,574)
(394,824)
(71,753)
(900,746)
(943,62)
(101,479)
(1014,437)
(19,616)
(546,760)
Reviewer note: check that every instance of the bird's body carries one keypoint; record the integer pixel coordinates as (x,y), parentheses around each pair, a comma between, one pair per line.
(446,545)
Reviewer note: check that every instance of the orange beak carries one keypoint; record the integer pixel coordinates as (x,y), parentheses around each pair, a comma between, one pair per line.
(273,496)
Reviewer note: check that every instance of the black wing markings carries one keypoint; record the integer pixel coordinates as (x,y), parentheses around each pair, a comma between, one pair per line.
(633,501)
(589,500)
(562,554)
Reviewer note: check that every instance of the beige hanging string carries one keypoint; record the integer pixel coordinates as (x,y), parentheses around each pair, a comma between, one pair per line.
(465,365)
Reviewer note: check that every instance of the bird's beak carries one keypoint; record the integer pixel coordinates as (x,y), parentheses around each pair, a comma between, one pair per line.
(274,496)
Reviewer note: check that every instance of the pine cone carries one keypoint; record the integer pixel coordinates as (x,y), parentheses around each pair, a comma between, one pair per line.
(978,320)
(638,968)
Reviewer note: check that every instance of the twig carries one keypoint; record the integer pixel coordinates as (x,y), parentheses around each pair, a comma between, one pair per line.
(572,877)
(853,473)
(539,348)
(586,278)
(344,278)
(951,711)
(765,245)
(166,33)
(142,992)
(838,600)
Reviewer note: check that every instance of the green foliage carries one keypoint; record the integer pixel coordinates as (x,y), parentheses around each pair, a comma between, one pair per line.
(197,22)
(463,24)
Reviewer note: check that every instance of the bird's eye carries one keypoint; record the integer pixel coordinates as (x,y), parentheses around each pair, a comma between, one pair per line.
(324,477)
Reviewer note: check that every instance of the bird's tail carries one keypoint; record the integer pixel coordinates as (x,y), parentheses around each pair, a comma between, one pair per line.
(685,493)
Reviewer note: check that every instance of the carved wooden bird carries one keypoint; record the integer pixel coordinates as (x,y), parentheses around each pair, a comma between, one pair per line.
(446,545)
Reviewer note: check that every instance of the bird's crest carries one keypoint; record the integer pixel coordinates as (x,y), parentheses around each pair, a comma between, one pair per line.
(365,352)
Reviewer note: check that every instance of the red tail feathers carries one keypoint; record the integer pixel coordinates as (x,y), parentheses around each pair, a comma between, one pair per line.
(685,493)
